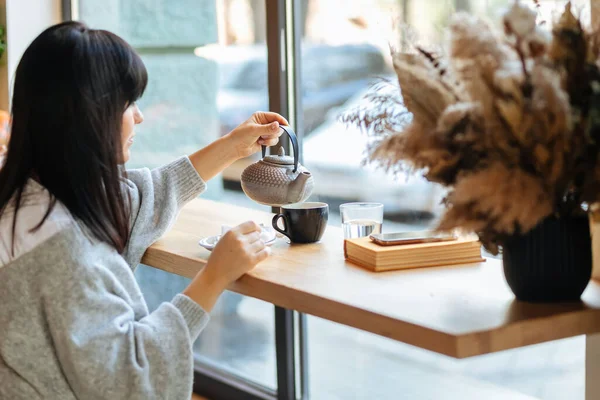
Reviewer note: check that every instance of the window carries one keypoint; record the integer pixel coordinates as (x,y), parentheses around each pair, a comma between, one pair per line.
(345,51)
(346,363)
(208,64)
(207,73)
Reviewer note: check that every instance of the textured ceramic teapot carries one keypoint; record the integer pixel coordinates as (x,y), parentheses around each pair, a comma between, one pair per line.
(276,180)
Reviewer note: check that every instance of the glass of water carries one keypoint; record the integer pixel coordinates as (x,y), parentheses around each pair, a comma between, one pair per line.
(361,219)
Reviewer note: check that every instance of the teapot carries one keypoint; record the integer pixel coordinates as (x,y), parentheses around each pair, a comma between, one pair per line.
(276,180)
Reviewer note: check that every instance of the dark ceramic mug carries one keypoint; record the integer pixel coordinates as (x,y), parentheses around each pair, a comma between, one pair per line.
(303,222)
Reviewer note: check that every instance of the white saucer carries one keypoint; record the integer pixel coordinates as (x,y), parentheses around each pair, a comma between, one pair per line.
(210,242)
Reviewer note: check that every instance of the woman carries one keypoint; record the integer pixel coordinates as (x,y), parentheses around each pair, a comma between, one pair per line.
(74,225)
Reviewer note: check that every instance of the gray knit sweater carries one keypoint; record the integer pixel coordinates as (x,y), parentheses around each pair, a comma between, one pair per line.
(73,322)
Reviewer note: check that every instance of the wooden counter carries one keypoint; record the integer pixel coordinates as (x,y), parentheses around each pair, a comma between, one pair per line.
(460,311)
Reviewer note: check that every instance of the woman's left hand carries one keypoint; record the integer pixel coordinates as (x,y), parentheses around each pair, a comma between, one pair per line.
(261,129)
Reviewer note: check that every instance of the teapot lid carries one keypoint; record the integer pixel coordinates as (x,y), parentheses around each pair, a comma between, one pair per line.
(280,158)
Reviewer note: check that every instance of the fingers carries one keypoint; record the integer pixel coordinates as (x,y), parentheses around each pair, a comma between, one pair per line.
(256,247)
(253,237)
(262,255)
(269,134)
(265,127)
(248,227)
(269,131)
(266,117)
(269,140)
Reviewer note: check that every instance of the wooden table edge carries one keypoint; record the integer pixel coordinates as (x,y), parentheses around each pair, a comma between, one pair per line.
(526,333)
(515,335)
(283,296)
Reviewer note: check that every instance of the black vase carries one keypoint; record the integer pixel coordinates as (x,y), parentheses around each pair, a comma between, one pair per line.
(552,262)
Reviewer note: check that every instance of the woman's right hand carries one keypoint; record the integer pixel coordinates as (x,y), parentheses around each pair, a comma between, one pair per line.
(236,253)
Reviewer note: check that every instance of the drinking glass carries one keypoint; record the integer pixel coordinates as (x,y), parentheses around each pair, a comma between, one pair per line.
(361,219)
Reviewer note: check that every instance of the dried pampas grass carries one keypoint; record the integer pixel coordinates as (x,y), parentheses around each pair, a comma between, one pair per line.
(425,98)
(498,201)
(508,122)
(470,36)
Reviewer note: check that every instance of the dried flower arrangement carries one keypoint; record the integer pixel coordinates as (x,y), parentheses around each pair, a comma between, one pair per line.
(509,123)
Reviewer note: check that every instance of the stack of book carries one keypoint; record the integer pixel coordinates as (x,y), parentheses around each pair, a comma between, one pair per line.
(370,255)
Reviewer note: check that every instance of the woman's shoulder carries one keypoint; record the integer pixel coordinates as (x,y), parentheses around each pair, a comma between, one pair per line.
(23,235)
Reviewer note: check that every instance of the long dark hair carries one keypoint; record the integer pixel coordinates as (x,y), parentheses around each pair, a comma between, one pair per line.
(71,88)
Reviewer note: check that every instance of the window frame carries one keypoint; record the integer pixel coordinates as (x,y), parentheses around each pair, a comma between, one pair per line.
(284,34)
(290,327)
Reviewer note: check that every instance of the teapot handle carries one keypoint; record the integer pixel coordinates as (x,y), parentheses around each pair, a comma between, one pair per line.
(295,148)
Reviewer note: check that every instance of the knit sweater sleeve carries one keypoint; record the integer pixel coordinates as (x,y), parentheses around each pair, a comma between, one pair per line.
(107,344)
(156,198)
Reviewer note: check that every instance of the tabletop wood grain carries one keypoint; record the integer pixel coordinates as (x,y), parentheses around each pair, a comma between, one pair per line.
(459,311)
